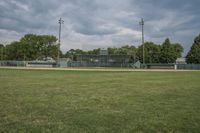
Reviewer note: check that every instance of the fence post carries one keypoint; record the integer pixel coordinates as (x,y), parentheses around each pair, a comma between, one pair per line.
(175,66)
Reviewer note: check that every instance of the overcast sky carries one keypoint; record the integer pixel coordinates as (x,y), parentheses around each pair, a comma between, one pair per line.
(101,23)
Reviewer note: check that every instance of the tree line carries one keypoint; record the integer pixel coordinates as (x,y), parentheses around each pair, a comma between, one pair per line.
(166,53)
(32,47)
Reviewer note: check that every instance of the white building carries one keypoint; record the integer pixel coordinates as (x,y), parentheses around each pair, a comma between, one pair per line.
(181,61)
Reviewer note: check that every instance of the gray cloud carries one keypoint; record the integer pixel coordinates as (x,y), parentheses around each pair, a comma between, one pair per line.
(97,23)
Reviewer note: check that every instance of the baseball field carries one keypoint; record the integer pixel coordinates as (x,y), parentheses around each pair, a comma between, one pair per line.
(99,101)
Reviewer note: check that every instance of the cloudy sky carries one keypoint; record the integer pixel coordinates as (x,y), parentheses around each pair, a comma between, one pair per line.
(101,23)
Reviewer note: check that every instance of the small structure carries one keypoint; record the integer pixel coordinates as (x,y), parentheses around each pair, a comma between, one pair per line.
(181,61)
(137,65)
(44,62)
(64,62)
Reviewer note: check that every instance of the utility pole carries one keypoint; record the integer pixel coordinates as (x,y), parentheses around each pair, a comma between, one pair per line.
(2,53)
(60,21)
(142,24)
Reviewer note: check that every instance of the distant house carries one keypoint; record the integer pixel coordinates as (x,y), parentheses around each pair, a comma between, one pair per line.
(181,61)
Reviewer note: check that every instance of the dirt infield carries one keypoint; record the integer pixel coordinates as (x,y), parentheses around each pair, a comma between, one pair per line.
(96,69)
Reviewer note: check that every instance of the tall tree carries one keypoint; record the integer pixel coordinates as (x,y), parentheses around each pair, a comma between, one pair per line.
(178,49)
(31,47)
(166,52)
(72,53)
(152,52)
(124,50)
(1,52)
(94,51)
(13,51)
(193,55)
(170,52)
(40,45)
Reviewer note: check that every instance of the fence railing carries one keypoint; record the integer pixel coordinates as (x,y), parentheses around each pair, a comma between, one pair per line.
(13,63)
(28,63)
(188,66)
(98,64)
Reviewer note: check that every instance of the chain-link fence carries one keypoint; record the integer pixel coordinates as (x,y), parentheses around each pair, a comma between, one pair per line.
(95,64)
(28,64)
(102,61)
(70,63)
(13,63)
(188,66)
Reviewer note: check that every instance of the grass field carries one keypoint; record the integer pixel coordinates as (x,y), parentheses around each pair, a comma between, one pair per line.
(99,102)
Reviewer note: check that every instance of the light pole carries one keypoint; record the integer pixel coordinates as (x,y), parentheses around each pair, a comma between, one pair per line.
(60,21)
(2,53)
(142,24)
(4,50)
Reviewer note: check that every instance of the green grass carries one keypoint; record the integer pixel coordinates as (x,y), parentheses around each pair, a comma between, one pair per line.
(99,102)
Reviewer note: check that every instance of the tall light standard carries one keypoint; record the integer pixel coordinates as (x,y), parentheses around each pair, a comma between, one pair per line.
(2,52)
(142,24)
(60,21)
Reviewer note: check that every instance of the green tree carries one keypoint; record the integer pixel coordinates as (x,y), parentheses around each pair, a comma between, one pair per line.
(31,47)
(13,51)
(16,51)
(124,50)
(178,49)
(170,52)
(1,51)
(152,52)
(72,53)
(193,55)
(166,52)
(40,45)
(112,51)
(53,52)
(94,52)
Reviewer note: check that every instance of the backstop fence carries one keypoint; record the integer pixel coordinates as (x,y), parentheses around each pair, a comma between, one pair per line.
(104,60)
(95,64)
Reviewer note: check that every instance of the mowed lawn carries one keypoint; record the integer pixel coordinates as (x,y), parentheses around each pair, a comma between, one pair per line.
(99,102)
